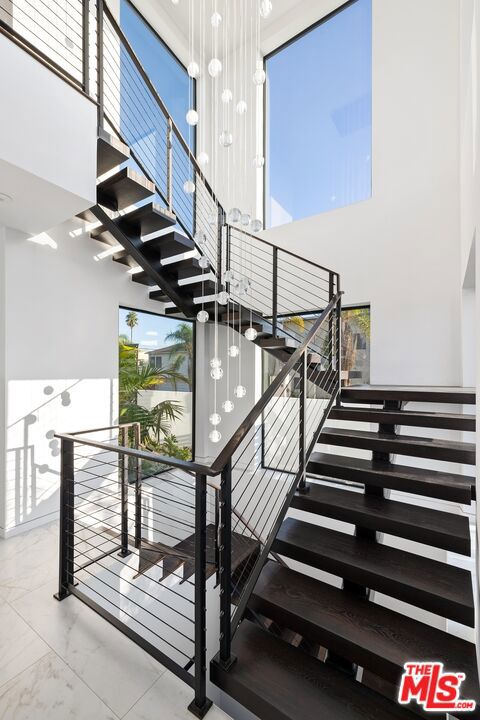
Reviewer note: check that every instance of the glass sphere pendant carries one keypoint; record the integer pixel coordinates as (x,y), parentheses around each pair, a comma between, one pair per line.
(241,107)
(215,362)
(233,351)
(216,20)
(192,118)
(223,298)
(203,262)
(193,69)
(266,8)
(216,373)
(189,187)
(227,96)
(228,406)
(234,215)
(215,419)
(214,67)
(215,436)
(251,334)
(259,76)
(202,316)
(240,391)
(203,159)
(225,139)
(200,238)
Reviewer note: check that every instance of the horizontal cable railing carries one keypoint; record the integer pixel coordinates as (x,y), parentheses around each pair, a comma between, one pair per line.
(59,32)
(139,550)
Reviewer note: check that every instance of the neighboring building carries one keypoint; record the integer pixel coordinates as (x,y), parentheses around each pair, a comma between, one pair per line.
(165,357)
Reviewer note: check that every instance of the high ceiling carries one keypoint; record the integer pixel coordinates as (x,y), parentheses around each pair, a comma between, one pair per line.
(288,18)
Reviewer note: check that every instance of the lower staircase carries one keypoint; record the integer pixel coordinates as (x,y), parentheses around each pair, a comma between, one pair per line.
(362,602)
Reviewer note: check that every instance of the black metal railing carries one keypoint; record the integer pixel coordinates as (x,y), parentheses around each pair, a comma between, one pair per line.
(139,553)
(61,33)
(129,541)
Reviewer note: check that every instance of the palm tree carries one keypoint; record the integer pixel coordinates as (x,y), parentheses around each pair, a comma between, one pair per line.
(182,336)
(131,321)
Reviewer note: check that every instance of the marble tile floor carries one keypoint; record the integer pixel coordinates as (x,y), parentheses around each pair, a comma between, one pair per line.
(61,661)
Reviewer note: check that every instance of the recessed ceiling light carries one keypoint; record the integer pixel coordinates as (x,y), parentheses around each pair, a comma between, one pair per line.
(4,197)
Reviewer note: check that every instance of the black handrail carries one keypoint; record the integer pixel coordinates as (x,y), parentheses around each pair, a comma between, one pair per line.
(158,99)
(235,441)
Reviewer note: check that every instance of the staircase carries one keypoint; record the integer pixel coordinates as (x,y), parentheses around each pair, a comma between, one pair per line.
(310,635)
(360,636)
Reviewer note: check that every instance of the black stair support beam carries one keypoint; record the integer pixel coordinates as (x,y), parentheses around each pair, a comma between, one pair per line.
(348,586)
(133,247)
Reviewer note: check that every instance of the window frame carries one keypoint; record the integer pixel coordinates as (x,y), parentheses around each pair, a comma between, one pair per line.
(325,18)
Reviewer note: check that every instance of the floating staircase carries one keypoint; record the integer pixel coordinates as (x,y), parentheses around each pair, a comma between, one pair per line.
(364,641)
(310,646)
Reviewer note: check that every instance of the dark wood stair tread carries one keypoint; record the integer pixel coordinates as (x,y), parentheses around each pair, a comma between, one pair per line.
(365,633)
(415,393)
(146,219)
(126,187)
(435,586)
(277,681)
(430,483)
(167,245)
(449,531)
(446,421)
(433,448)
(111,152)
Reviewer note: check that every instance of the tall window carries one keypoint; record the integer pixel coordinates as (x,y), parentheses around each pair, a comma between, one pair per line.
(319,117)
(168,75)
(156,378)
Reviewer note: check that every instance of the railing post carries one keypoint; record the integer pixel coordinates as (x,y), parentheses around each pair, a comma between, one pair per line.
(200,704)
(221,225)
(123,481)
(275,291)
(302,487)
(100,94)
(226,657)
(169,164)
(339,340)
(67,497)
(86,46)
(138,489)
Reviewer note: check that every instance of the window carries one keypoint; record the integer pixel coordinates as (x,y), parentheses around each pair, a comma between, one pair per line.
(166,72)
(156,380)
(355,346)
(318,117)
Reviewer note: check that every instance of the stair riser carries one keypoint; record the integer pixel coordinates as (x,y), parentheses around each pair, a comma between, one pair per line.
(384,524)
(451,494)
(464,457)
(419,598)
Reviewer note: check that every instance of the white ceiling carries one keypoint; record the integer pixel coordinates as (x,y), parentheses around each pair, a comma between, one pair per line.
(288,18)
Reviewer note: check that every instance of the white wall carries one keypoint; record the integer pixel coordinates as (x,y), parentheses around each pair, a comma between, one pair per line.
(48,136)
(61,358)
(470,193)
(399,250)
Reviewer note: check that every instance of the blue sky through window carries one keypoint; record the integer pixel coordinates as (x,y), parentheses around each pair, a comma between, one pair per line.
(167,74)
(319,118)
(151,331)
